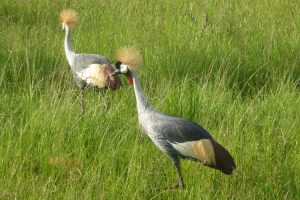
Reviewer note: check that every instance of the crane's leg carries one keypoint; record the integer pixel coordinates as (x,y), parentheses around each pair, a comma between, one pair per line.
(180,179)
(82,89)
(104,100)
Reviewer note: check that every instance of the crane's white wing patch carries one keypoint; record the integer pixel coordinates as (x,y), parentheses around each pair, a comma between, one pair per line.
(185,148)
(201,149)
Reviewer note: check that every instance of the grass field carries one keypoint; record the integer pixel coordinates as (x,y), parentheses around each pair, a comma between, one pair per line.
(236,73)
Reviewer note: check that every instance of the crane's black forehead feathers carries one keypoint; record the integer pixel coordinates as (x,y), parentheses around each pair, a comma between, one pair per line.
(118,64)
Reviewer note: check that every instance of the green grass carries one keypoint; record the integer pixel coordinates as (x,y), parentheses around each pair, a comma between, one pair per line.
(238,77)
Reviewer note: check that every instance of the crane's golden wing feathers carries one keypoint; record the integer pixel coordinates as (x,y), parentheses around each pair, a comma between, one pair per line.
(129,56)
(94,75)
(68,16)
(100,76)
(203,150)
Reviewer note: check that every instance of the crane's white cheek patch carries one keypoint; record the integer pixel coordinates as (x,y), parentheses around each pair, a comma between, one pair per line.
(202,150)
(94,74)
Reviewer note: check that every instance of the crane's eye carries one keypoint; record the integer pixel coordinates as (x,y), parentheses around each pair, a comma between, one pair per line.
(123,68)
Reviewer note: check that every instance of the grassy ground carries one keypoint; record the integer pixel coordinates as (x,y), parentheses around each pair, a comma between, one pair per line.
(236,73)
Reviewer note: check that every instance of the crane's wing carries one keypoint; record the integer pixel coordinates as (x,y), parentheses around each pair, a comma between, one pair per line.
(178,130)
(97,75)
(82,61)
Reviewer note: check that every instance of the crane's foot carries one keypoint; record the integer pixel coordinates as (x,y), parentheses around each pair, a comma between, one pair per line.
(82,101)
(105,106)
(177,185)
(81,110)
(102,98)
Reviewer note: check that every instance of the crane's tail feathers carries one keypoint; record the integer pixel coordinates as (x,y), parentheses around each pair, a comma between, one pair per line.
(68,17)
(129,56)
(224,160)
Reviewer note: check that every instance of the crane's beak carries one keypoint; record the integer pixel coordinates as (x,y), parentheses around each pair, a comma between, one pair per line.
(117,71)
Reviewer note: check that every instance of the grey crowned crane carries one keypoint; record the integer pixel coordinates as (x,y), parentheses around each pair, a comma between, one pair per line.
(90,70)
(176,137)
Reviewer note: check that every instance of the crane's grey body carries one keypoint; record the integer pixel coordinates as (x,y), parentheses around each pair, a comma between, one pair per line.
(82,61)
(167,131)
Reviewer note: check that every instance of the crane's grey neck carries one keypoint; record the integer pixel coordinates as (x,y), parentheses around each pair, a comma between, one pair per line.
(68,49)
(141,101)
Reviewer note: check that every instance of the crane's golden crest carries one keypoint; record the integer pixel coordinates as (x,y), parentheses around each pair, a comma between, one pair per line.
(68,16)
(129,56)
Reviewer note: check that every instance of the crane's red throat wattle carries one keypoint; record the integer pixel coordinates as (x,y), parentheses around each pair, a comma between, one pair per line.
(130,80)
